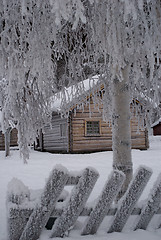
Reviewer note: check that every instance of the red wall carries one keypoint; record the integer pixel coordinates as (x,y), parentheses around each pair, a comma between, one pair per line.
(157,130)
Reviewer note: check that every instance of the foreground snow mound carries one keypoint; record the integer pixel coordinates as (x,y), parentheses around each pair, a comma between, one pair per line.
(17,191)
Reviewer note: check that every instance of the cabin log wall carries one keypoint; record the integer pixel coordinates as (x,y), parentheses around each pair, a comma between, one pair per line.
(52,139)
(157,130)
(13,139)
(103,142)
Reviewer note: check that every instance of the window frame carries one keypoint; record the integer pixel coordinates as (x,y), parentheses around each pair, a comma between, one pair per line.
(93,134)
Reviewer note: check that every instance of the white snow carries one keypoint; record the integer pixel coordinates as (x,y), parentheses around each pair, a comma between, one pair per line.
(71,95)
(35,173)
(156,123)
(16,187)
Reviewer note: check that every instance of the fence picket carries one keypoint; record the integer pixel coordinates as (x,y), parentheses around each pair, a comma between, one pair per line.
(76,203)
(102,206)
(25,222)
(133,193)
(42,211)
(16,222)
(151,207)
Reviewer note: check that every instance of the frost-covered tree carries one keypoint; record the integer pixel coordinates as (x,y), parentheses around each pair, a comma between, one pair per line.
(26,64)
(7,130)
(119,40)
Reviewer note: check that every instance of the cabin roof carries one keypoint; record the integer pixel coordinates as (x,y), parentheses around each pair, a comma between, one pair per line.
(74,94)
(156,123)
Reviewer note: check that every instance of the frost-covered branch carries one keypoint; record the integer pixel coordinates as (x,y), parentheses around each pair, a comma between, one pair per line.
(46,45)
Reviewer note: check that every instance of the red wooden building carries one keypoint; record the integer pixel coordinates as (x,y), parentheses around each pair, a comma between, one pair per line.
(157,127)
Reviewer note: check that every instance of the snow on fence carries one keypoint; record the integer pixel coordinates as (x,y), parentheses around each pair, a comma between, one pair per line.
(27,218)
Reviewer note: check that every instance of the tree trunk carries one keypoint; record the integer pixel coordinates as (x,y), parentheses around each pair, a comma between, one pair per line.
(121,130)
(7,142)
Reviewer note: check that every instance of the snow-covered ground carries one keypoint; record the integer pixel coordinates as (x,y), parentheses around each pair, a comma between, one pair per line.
(40,164)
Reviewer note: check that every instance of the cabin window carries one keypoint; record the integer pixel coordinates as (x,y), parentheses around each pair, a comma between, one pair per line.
(63,130)
(92,128)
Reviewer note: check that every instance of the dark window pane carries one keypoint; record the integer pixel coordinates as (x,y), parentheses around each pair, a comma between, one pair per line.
(92,128)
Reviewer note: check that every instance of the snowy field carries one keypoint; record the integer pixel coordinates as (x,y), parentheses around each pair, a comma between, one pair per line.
(40,164)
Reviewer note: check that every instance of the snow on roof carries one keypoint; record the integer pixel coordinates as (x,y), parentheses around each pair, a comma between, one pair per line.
(73,93)
(156,123)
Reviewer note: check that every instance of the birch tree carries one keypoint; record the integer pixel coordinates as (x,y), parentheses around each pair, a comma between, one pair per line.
(119,40)
(7,131)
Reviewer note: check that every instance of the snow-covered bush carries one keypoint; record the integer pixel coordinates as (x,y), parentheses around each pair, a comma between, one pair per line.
(17,192)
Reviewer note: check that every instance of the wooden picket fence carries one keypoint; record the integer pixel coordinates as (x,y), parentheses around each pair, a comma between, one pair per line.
(26,221)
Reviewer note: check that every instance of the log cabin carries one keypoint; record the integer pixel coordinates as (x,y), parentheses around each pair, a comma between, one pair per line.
(157,127)
(13,139)
(85,131)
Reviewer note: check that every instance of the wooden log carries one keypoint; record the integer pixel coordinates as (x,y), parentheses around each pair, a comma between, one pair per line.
(76,203)
(44,208)
(151,207)
(15,227)
(104,202)
(58,211)
(131,196)
(73,180)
